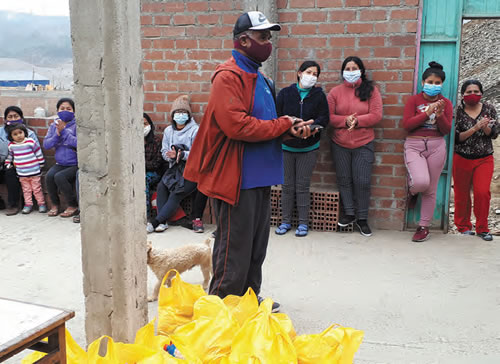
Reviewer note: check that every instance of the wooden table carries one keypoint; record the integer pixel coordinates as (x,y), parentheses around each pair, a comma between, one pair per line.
(23,326)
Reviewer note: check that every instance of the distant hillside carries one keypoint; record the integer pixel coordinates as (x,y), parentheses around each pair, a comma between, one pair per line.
(42,40)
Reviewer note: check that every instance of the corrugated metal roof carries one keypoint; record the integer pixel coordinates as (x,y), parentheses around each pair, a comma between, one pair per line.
(20,76)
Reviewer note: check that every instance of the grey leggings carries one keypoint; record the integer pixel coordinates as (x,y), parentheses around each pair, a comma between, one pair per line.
(354,172)
(298,172)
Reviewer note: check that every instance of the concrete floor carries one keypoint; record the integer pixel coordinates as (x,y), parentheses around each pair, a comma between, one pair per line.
(436,302)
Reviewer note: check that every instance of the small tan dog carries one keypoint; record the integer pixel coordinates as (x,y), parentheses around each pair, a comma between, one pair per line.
(181,259)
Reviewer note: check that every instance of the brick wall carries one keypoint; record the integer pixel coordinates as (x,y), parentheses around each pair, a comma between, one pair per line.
(28,101)
(183,42)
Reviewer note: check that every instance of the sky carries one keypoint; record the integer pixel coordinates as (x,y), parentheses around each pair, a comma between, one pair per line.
(37,7)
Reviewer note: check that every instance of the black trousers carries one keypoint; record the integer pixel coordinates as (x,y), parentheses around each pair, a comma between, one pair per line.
(241,242)
(9,177)
(62,178)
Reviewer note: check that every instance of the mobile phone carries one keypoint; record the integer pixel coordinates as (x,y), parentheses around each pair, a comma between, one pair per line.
(316,126)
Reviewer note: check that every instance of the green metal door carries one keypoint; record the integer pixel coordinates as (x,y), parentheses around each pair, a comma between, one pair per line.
(440,42)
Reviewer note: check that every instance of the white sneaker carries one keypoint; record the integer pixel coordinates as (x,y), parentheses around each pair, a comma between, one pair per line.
(149,228)
(161,228)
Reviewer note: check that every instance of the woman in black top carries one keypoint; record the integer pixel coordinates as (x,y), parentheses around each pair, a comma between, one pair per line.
(473,162)
(305,101)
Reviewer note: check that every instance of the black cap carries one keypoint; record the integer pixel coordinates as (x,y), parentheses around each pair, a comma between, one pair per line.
(253,20)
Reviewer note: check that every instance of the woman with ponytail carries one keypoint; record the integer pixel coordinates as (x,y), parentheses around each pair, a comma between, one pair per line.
(427,118)
(355,108)
(473,162)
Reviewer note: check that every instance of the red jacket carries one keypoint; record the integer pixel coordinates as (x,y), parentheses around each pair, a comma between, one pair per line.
(342,101)
(216,158)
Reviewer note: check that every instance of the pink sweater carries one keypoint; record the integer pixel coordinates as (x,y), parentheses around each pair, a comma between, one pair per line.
(343,102)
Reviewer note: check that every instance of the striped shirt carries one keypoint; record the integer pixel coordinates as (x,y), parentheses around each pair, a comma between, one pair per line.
(26,156)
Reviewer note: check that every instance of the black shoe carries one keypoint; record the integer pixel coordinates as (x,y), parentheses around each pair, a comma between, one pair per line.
(276,305)
(2,204)
(485,236)
(346,220)
(363,227)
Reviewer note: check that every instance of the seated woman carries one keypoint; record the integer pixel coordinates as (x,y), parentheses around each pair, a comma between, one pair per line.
(61,176)
(177,141)
(306,101)
(154,161)
(12,115)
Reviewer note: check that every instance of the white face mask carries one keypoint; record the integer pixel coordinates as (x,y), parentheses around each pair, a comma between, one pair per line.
(147,129)
(181,118)
(308,81)
(352,76)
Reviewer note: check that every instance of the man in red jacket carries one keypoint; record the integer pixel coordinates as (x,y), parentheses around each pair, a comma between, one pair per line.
(236,157)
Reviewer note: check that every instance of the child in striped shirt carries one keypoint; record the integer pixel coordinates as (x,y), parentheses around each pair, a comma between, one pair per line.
(26,156)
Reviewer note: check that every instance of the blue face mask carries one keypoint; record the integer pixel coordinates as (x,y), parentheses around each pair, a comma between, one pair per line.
(66,116)
(181,118)
(432,90)
(10,122)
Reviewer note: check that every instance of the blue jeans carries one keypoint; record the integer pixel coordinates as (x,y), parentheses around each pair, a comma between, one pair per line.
(152,178)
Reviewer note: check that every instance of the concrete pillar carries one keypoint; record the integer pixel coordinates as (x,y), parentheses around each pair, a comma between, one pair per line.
(109,102)
(269,9)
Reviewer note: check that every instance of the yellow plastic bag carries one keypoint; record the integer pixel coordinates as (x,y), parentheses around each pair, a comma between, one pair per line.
(146,336)
(109,358)
(242,307)
(209,336)
(335,345)
(286,323)
(74,353)
(262,340)
(175,303)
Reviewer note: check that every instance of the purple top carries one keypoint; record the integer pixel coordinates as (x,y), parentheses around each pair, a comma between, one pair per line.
(65,144)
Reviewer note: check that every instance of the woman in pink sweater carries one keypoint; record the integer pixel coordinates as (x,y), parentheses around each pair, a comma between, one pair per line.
(427,118)
(355,108)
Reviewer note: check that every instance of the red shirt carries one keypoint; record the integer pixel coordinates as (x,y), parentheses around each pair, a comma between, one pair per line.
(416,121)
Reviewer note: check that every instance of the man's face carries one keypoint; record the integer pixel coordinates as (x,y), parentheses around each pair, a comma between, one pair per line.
(260,36)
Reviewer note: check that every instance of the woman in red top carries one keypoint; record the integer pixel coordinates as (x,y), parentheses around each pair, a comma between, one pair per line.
(427,118)
(355,108)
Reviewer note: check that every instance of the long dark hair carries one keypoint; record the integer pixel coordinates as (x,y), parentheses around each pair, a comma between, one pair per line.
(15,109)
(467,84)
(68,100)
(151,136)
(434,69)
(364,91)
(306,65)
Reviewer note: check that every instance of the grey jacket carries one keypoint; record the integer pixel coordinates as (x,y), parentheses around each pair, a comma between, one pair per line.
(173,136)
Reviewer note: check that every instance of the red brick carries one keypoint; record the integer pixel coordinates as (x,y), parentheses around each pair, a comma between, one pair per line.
(357,3)
(362,53)
(210,43)
(152,8)
(163,107)
(395,133)
(146,66)
(220,55)
(412,2)
(301,3)
(385,75)
(407,76)
(154,76)
(332,28)
(314,16)
(389,27)
(374,64)
(411,27)
(287,17)
(223,31)
(402,64)
(409,14)
(229,19)
(390,100)
(148,107)
(402,40)
(163,44)
(173,31)
(154,97)
(359,28)
(313,42)
(148,86)
(197,6)
(392,181)
(372,15)
(166,87)
(287,66)
(371,41)
(393,110)
(153,55)
(329,4)
(187,66)
(228,44)
(382,170)
(184,19)
(208,19)
(198,55)
(392,159)
(146,43)
(387,123)
(324,54)
(299,53)
(282,4)
(165,66)
(410,51)
(177,76)
(162,20)
(146,20)
(342,42)
(387,52)
(386,2)
(209,65)
(303,29)
(381,192)
(186,44)
(399,87)
(174,7)
(220,5)
(197,31)
(176,55)
(189,87)
(288,42)
(151,32)
(339,15)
